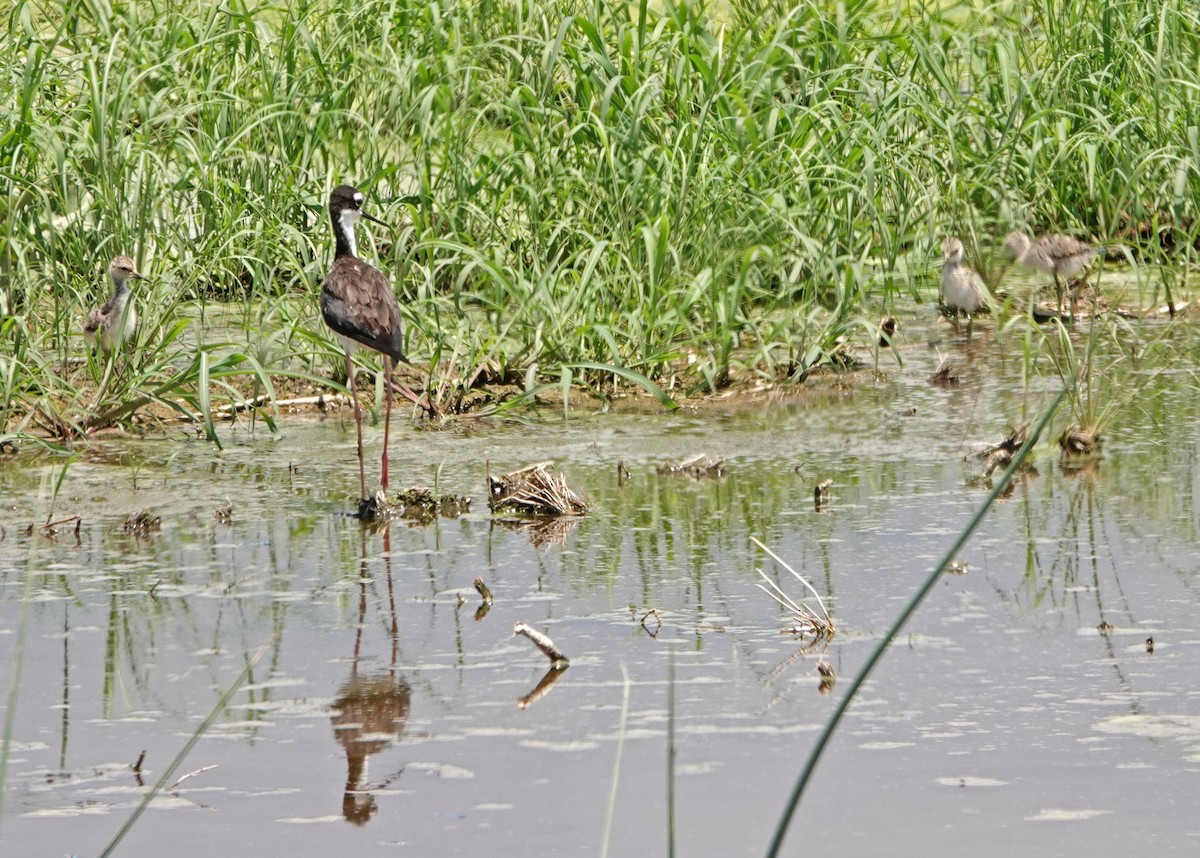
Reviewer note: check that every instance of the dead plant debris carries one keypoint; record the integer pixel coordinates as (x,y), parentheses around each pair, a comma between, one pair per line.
(143,524)
(416,504)
(543,530)
(946,375)
(698,467)
(807,621)
(1001,455)
(533,490)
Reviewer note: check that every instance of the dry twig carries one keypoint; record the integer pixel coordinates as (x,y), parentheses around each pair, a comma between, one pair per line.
(542,641)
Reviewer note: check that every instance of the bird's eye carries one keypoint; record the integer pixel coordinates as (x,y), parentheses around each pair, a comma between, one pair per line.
(358,199)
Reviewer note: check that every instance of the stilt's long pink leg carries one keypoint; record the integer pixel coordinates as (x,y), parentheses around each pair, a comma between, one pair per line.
(387,417)
(362,474)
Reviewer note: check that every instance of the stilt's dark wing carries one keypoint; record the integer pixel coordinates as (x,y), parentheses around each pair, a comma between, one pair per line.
(357,302)
(94,320)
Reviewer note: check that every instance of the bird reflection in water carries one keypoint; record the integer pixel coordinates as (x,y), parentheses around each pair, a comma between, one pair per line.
(371,709)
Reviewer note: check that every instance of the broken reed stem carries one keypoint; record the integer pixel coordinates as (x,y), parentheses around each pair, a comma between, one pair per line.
(483,591)
(542,641)
(67,520)
(797,575)
(191,774)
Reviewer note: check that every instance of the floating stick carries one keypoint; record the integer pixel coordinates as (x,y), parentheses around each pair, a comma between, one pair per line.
(542,641)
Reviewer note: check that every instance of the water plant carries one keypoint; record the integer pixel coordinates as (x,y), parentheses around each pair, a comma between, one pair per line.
(1102,375)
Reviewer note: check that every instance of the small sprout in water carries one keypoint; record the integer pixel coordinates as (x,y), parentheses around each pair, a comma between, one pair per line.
(946,375)
(137,768)
(821,494)
(483,590)
(1149,644)
(887,330)
(827,677)
(224,514)
(957,567)
(1076,441)
(622,473)
(1106,628)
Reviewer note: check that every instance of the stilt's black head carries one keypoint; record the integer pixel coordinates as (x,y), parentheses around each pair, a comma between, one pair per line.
(345,206)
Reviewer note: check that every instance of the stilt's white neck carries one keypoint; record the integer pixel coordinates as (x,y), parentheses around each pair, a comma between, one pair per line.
(346,228)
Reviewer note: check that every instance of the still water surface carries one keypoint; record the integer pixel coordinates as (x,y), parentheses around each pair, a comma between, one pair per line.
(386,718)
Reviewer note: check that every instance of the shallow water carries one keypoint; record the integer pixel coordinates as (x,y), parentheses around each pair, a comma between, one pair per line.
(1002,717)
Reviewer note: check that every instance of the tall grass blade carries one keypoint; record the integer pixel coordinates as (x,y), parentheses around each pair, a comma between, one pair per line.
(610,814)
(909,609)
(14,688)
(202,392)
(58,481)
(165,777)
(671,750)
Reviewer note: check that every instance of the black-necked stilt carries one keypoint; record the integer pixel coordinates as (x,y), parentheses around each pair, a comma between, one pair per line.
(114,323)
(359,306)
(1054,254)
(962,287)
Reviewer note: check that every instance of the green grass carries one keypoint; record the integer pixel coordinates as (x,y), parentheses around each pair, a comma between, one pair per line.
(619,196)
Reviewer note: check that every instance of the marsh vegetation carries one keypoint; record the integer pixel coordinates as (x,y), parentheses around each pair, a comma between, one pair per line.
(583,197)
(586,203)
